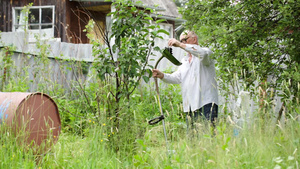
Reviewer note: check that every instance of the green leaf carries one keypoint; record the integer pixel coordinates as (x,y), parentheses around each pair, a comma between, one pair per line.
(148,18)
(160,20)
(163,31)
(151,27)
(146,78)
(150,9)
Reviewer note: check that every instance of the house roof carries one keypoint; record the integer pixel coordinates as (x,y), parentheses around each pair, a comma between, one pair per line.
(166,8)
(163,7)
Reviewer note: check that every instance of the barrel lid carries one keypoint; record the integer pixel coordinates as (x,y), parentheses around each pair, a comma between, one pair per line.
(34,115)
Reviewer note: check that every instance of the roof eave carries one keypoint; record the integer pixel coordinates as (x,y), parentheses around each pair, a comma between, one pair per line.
(168,17)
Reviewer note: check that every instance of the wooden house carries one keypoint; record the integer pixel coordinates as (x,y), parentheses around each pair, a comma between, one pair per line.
(65,20)
(59,24)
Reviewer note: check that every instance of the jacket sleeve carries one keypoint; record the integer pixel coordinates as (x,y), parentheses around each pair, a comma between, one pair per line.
(202,53)
(174,78)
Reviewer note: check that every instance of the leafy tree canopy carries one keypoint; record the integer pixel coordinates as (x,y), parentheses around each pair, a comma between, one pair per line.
(257,39)
(133,32)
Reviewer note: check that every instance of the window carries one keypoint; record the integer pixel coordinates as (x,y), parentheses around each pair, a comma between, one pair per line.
(39,19)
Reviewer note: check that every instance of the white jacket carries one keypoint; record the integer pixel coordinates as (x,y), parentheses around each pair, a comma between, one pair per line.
(197,78)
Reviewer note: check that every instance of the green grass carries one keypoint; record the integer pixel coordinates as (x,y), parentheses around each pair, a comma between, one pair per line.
(270,146)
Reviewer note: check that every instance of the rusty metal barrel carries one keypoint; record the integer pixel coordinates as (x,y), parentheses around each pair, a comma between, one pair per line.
(34,115)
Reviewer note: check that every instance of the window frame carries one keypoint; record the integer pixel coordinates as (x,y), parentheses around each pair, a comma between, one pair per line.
(27,24)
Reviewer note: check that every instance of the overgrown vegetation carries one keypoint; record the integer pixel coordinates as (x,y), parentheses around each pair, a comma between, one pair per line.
(87,103)
(254,41)
(122,62)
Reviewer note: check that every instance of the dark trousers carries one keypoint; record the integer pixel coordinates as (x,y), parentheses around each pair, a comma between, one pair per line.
(208,112)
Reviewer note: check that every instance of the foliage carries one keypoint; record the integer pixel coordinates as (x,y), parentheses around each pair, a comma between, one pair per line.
(134,32)
(6,65)
(255,40)
(123,62)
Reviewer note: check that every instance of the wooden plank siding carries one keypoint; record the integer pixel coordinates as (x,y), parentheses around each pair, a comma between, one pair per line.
(5,15)
(77,21)
(71,17)
(81,13)
(68,26)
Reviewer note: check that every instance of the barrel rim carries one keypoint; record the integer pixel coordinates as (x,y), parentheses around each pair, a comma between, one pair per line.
(43,94)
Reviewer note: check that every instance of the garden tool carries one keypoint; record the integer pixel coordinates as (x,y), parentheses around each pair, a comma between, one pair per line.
(167,53)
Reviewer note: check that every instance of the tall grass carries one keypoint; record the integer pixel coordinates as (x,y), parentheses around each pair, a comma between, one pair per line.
(258,145)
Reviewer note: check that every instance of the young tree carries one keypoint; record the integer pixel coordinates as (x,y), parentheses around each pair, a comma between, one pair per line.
(123,61)
(257,40)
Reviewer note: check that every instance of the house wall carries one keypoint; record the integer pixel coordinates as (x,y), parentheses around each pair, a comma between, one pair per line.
(66,22)
(70,17)
(5,16)
(79,18)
